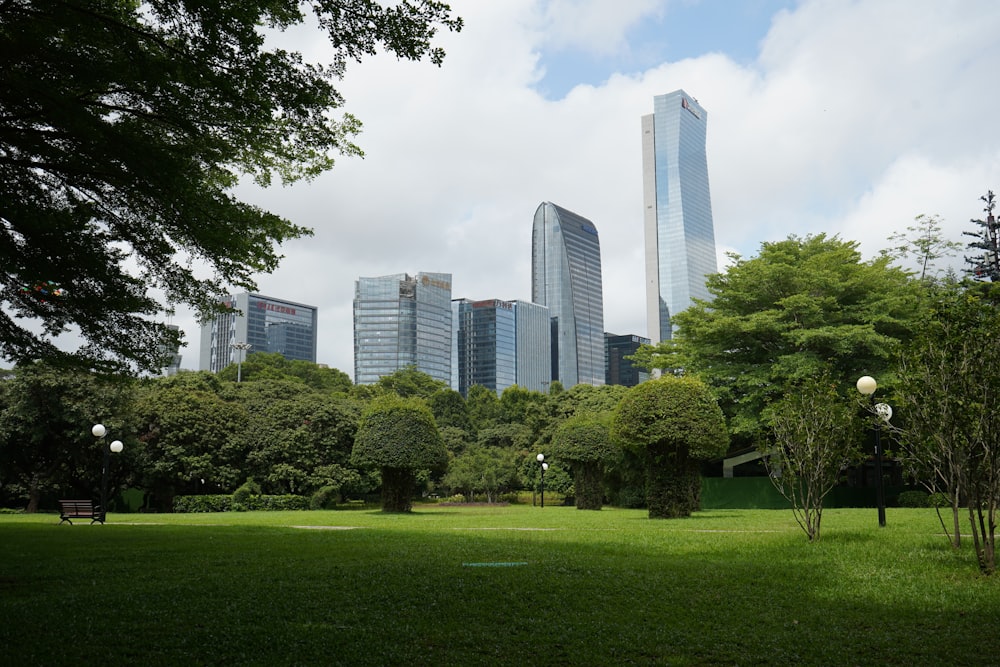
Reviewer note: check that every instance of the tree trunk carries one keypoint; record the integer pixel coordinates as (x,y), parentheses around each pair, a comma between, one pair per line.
(588,480)
(670,484)
(398,486)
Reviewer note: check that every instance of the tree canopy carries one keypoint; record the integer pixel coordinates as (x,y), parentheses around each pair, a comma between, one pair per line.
(124,127)
(801,308)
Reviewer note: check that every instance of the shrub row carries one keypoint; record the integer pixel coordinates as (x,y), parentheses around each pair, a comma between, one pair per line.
(245,504)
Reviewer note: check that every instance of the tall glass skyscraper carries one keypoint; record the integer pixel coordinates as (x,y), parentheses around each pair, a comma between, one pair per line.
(266,324)
(399,321)
(680,238)
(566,277)
(497,344)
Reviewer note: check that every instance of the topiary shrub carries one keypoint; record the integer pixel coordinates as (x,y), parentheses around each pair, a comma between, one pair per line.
(674,422)
(399,437)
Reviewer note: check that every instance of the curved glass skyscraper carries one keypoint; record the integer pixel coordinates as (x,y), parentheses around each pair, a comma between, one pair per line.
(680,238)
(566,277)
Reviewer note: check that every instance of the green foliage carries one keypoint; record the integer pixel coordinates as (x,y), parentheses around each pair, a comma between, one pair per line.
(914,499)
(325,498)
(585,442)
(398,433)
(483,406)
(213,503)
(676,412)
(949,391)
(489,471)
(400,438)
(815,434)
(242,495)
(409,382)
(801,308)
(46,446)
(674,422)
(449,409)
(269,366)
(923,243)
(127,126)
(296,439)
(584,438)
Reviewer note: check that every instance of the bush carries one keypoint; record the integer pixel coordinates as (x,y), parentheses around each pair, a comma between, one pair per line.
(276,503)
(242,495)
(215,503)
(938,500)
(325,498)
(914,499)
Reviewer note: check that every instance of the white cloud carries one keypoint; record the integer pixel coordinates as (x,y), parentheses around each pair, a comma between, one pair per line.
(856,117)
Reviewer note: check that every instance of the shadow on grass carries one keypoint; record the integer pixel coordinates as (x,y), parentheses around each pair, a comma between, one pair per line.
(398,594)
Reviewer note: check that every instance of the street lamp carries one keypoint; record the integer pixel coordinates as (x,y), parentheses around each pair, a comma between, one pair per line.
(545,466)
(240,346)
(867,386)
(116,446)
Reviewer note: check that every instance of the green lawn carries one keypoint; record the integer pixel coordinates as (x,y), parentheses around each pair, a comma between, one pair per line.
(492,586)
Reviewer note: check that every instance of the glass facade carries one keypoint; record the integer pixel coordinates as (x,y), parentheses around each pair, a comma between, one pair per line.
(680,237)
(402,320)
(266,324)
(498,344)
(566,277)
(620,370)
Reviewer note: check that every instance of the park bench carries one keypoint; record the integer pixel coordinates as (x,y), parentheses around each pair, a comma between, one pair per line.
(79,509)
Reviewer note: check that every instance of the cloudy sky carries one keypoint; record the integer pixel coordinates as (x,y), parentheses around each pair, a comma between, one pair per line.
(823,115)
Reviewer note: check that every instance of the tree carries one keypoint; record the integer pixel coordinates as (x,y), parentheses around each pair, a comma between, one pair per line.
(675,423)
(986,264)
(46,446)
(273,366)
(489,471)
(584,441)
(188,432)
(815,435)
(399,437)
(297,439)
(124,127)
(949,389)
(449,409)
(924,243)
(409,381)
(803,307)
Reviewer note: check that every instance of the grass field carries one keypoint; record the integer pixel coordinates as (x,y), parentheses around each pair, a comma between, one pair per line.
(492,586)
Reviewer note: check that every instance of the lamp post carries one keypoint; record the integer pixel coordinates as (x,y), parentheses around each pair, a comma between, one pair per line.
(545,466)
(867,386)
(243,347)
(116,446)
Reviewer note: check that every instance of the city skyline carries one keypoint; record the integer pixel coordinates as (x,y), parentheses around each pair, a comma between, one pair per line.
(843,118)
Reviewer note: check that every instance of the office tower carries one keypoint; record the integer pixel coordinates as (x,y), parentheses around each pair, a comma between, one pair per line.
(620,370)
(171,354)
(399,321)
(497,344)
(534,346)
(566,277)
(680,240)
(262,323)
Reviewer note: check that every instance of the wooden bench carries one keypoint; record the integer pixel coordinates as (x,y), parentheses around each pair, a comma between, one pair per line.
(79,509)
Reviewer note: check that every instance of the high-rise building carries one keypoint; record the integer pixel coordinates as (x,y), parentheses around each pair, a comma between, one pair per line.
(399,321)
(680,238)
(566,277)
(497,344)
(265,325)
(620,370)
